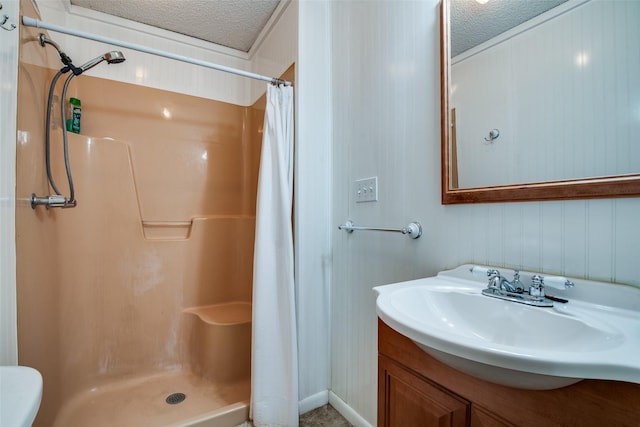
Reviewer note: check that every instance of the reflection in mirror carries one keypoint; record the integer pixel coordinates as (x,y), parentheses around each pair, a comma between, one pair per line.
(548,109)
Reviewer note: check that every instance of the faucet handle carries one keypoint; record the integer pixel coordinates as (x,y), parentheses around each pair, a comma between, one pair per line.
(538,284)
(558,282)
(483,271)
(537,287)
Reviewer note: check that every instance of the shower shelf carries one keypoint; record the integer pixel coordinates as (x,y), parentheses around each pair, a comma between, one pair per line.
(226,314)
(166,230)
(181,230)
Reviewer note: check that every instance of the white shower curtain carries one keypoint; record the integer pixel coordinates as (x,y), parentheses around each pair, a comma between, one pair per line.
(274,362)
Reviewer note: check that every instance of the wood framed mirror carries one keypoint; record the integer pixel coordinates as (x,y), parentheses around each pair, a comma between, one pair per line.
(563,125)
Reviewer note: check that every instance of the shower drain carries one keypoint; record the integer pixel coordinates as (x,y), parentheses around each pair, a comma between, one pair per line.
(175,398)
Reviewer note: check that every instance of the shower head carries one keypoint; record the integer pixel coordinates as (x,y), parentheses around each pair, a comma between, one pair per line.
(113,57)
(63,56)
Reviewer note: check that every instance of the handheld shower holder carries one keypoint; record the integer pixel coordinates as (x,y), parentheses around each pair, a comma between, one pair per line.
(52,201)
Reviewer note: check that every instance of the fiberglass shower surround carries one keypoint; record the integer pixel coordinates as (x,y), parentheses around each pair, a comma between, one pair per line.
(58,200)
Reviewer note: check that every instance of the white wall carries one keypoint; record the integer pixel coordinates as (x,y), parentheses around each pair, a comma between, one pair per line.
(313,201)
(279,47)
(8,97)
(563,93)
(386,124)
(386,111)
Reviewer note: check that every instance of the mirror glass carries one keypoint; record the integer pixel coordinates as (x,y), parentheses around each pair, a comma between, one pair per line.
(541,99)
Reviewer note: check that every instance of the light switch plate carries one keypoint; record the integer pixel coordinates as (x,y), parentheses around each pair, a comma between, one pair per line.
(366,189)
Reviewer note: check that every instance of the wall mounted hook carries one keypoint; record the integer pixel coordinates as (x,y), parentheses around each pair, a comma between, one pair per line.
(493,135)
(4,20)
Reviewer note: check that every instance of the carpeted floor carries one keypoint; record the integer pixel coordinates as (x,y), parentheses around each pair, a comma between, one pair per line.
(324,416)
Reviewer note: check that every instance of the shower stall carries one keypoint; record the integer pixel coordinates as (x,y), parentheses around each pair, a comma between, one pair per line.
(135,305)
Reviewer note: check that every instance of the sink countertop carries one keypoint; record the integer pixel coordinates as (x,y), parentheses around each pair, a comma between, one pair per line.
(595,335)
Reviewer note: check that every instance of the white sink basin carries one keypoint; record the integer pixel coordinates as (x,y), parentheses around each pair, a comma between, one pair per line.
(514,344)
(20,395)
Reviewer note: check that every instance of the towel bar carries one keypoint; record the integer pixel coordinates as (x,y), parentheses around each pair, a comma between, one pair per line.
(413,229)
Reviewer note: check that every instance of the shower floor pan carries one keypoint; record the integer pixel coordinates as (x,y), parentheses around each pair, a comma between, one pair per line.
(142,402)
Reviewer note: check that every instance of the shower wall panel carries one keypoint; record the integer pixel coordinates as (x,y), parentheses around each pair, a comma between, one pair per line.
(165,221)
(190,153)
(37,260)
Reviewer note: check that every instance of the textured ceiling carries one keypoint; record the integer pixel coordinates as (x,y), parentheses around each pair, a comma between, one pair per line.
(473,23)
(237,23)
(232,23)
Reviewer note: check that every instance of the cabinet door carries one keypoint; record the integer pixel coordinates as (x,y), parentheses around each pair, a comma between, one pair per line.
(408,400)
(481,417)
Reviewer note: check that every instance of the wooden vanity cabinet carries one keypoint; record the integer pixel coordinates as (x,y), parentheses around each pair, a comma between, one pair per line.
(415,390)
(412,401)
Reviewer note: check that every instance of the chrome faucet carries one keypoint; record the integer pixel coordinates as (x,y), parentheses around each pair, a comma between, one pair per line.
(500,287)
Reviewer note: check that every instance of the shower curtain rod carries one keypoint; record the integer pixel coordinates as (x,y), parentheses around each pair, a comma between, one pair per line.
(30,22)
